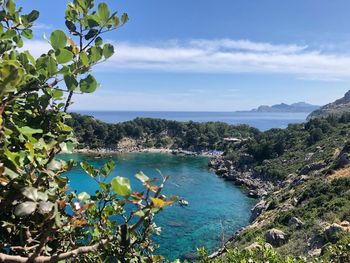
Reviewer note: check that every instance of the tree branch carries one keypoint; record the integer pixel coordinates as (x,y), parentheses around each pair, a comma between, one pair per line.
(4,258)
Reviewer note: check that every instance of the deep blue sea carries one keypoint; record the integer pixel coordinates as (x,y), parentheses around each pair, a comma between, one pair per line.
(260,120)
(216,207)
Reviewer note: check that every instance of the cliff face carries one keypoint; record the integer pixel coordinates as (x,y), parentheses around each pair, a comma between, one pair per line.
(336,108)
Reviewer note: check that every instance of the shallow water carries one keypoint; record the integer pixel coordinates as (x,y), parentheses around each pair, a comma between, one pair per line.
(216,208)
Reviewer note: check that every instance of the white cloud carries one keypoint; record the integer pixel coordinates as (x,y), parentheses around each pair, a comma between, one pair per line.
(223,56)
(41,26)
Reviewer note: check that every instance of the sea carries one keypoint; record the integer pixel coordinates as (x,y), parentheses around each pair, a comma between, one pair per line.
(261,120)
(216,209)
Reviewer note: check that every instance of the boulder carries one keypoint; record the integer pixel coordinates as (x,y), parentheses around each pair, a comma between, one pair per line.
(222,170)
(315,252)
(342,161)
(295,222)
(276,237)
(333,232)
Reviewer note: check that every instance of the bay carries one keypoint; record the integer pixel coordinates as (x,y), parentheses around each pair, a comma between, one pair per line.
(216,207)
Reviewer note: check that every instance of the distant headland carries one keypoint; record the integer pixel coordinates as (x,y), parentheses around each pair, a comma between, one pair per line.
(283,107)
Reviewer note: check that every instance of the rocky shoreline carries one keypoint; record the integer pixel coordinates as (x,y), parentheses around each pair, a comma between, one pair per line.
(256,186)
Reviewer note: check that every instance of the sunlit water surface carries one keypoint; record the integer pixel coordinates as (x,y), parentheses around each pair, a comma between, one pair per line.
(216,207)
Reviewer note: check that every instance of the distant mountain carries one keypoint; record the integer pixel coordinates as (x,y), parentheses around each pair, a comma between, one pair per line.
(337,107)
(283,107)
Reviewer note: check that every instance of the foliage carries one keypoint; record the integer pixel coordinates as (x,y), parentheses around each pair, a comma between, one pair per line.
(41,220)
(158,133)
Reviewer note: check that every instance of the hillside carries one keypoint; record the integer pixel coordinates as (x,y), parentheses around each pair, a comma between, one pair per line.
(283,107)
(302,175)
(337,108)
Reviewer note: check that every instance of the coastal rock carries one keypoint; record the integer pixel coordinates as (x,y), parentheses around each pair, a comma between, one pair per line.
(276,237)
(222,170)
(258,209)
(257,193)
(296,222)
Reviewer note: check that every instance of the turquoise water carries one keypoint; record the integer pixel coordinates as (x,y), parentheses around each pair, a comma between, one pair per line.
(260,120)
(216,208)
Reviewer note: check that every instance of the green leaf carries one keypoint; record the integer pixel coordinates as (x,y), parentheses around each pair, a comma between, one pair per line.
(58,39)
(116,21)
(51,66)
(63,56)
(11,6)
(25,209)
(31,193)
(108,167)
(103,11)
(89,169)
(108,50)
(84,58)
(32,16)
(29,131)
(96,53)
(142,177)
(71,26)
(56,93)
(83,196)
(27,33)
(88,85)
(71,82)
(125,18)
(121,186)
(98,41)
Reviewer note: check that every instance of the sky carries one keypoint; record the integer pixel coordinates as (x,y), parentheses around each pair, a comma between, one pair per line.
(215,55)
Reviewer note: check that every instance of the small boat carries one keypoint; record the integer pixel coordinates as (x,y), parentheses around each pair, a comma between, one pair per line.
(183,202)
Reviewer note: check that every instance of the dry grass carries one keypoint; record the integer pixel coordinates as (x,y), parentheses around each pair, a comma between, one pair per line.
(341,173)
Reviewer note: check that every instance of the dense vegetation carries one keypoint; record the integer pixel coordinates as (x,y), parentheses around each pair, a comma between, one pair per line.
(158,133)
(40,219)
(279,152)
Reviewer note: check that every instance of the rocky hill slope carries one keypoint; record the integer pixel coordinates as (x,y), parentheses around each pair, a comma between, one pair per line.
(337,108)
(302,176)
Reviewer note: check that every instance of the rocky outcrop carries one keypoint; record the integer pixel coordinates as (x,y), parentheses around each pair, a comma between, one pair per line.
(333,232)
(312,167)
(258,209)
(295,222)
(336,108)
(256,185)
(276,237)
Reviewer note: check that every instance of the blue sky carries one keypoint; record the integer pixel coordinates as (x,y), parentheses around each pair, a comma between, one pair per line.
(216,55)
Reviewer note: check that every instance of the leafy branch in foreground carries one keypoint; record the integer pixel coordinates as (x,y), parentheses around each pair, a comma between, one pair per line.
(40,219)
